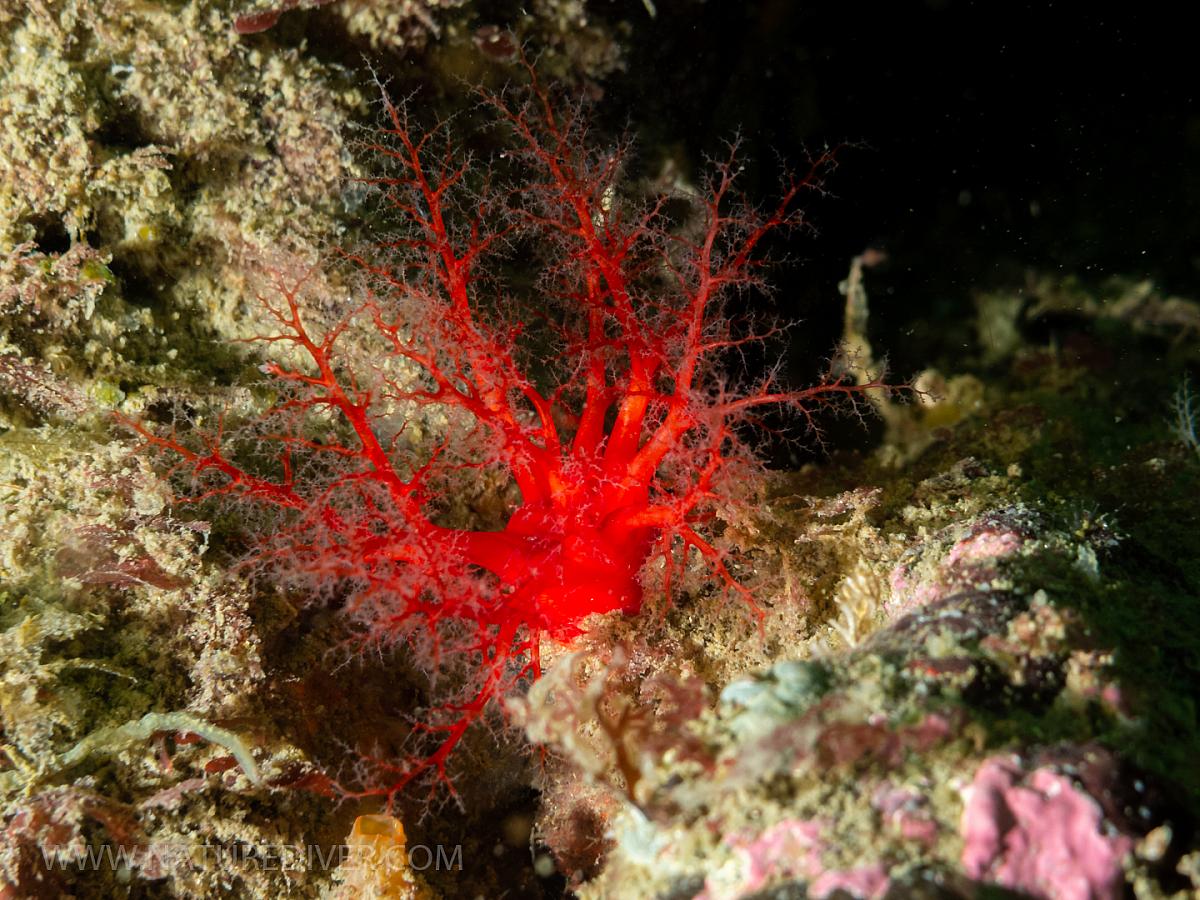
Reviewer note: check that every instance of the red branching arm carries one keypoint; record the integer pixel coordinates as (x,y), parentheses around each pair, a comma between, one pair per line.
(325,387)
(472,367)
(723,257)
(239,481)
(498,651)
(576,200)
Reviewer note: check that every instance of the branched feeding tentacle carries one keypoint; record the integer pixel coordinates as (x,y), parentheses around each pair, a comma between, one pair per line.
(620,448)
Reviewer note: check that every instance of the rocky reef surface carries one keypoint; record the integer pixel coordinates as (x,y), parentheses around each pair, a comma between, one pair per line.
(978,659)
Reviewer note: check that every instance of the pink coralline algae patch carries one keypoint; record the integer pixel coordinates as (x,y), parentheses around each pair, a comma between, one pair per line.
(792,849)
(968,564)
(789,848)
(983,546)
(1039,834)
(877,740)
(906,812)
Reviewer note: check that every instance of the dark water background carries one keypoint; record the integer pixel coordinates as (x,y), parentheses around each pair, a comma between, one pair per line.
(995,137)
